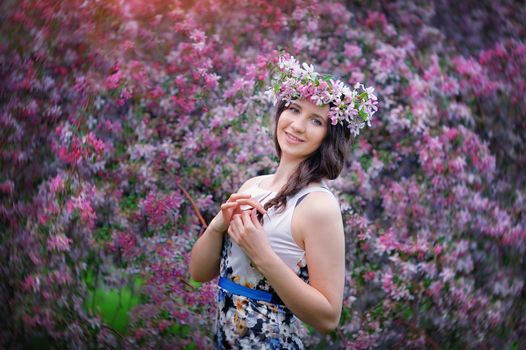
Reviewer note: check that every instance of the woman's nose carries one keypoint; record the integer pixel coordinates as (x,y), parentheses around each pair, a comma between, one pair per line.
(299,124)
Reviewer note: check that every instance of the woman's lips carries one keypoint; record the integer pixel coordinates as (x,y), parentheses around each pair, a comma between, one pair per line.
(293,139)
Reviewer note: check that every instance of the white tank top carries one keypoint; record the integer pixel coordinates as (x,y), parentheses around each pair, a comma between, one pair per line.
(278,227)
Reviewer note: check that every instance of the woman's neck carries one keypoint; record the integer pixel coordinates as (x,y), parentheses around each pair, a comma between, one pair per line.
(284,171)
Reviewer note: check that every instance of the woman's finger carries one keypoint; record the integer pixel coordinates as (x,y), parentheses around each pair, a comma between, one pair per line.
(236,196)
(228,205)
(233,234)
(254,218)
(253,203)
(236,222)
(247,221)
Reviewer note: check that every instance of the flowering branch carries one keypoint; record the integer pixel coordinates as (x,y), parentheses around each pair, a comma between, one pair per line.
(192,202)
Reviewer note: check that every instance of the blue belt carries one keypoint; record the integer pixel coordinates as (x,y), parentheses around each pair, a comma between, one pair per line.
(255,294)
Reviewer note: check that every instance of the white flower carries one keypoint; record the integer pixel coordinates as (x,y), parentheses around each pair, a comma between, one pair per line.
(309,69)
(370,94)
(289,82)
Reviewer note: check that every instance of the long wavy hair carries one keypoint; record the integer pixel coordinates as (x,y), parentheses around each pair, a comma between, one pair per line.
(325,163)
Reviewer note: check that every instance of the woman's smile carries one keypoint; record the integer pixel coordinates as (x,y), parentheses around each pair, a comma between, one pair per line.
(293,139)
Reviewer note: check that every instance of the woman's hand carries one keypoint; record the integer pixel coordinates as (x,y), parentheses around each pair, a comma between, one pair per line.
(248,233)
(222,220)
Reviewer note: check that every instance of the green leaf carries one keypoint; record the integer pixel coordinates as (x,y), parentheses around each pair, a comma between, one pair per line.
(362,114)
(378,311)
(103,234)
(194,283)
(365,162)
(407,313)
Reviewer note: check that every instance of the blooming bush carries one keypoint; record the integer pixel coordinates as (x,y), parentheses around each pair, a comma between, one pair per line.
(126,124)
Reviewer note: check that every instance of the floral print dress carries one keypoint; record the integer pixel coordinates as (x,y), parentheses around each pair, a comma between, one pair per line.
(244,323)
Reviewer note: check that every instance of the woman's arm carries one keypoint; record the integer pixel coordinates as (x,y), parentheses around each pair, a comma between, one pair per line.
(206,252)
(319,219)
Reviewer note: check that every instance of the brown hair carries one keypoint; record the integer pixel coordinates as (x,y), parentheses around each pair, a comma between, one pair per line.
(325,163)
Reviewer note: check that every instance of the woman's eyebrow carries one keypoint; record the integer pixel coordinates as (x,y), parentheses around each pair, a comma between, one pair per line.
(313,114)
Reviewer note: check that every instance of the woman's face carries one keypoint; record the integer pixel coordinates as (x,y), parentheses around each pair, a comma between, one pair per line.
(301,128)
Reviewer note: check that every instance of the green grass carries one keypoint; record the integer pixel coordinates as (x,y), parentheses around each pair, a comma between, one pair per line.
(114,305)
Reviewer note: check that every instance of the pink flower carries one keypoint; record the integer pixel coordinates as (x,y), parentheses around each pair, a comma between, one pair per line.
(112,82)
(31,283)
(160,209)
(7,186)
(56,184)
(59,242)
(375,18)
(139,333)
(97,145)
(388,242)
(435,290)
(163,324)
(126,242)
(457,165)
(87,214)
(468,67)
(211,80)
(352,50)
(61,277)
(369,276)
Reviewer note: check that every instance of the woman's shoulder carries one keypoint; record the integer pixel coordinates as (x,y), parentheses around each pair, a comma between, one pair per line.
(318,212)
(318,201)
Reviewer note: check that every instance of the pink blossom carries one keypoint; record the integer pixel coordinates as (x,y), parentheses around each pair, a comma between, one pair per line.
(126,242)
(376,18)
(83,205)
(30,321)
(113,81)
(163,324)
(161,208)
(388,241)
(31,283)
(87,214)
(450,86)
(435,290)
(394,291)
(56,184)
(457,165)
(59,242)
(352,50)
(97,144)
(60,277)
(7,186)
(369,276)
(467,66)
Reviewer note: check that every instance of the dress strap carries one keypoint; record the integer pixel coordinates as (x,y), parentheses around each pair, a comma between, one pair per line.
(305,191)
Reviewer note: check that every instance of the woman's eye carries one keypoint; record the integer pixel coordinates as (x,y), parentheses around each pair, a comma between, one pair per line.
(294,110)
(316,122)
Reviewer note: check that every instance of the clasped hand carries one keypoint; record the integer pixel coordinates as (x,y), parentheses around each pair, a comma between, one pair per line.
(244,227)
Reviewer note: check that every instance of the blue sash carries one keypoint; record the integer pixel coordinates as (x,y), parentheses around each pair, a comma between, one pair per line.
(250,293)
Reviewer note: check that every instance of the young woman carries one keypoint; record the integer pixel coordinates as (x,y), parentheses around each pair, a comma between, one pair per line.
(278,243)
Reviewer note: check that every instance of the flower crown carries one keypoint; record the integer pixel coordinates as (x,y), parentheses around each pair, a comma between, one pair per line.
(351,107)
